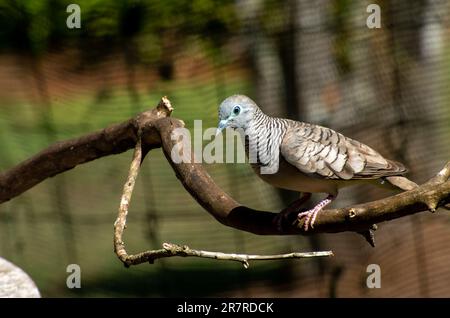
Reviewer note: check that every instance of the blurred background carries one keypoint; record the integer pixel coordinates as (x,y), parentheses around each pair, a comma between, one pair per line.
(314,61)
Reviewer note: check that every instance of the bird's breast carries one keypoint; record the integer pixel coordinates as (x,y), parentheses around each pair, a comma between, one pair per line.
(290,178)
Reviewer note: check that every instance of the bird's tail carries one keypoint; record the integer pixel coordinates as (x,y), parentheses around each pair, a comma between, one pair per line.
(401,183)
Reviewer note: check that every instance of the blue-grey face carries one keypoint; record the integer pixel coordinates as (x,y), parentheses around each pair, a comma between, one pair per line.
(236,112)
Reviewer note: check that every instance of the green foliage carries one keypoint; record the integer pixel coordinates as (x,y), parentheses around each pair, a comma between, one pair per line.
(37,26)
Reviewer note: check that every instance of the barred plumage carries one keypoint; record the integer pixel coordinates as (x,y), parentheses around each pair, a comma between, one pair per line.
(315,149)
(306,157)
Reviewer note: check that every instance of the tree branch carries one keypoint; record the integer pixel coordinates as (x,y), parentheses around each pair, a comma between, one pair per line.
(170,249)
(156,129)
(65,155)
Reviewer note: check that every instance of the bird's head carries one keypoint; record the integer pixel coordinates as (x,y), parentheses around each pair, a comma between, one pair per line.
(236,111)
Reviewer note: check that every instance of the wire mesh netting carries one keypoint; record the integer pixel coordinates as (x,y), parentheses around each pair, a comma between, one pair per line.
(312,61)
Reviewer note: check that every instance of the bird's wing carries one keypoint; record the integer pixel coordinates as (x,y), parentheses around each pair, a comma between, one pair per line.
(323,152)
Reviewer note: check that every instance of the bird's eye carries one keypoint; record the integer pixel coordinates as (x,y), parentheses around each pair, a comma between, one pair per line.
(236,110)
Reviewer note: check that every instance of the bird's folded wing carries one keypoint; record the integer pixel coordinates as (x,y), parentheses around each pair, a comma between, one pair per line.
(323,152)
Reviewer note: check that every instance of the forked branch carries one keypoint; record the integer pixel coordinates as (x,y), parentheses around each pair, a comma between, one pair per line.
(170,249)
(155,129)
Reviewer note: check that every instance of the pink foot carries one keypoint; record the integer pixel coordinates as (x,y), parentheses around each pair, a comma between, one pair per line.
(311,215)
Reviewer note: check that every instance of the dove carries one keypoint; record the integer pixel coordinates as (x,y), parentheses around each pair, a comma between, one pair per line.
(305,157)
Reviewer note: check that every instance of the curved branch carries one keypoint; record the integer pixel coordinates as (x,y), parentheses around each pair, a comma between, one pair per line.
(170,249)
(65,155)
(156,129)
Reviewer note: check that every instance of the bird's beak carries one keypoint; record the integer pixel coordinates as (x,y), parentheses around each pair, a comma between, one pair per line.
(222,124)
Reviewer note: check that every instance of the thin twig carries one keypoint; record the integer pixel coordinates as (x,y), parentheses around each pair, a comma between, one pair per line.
(170,249)
(120,224)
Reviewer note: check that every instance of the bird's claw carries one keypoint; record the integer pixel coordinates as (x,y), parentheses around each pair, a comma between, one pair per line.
(310,217)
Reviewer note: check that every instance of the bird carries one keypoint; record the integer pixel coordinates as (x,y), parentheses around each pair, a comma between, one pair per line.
(306,157)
